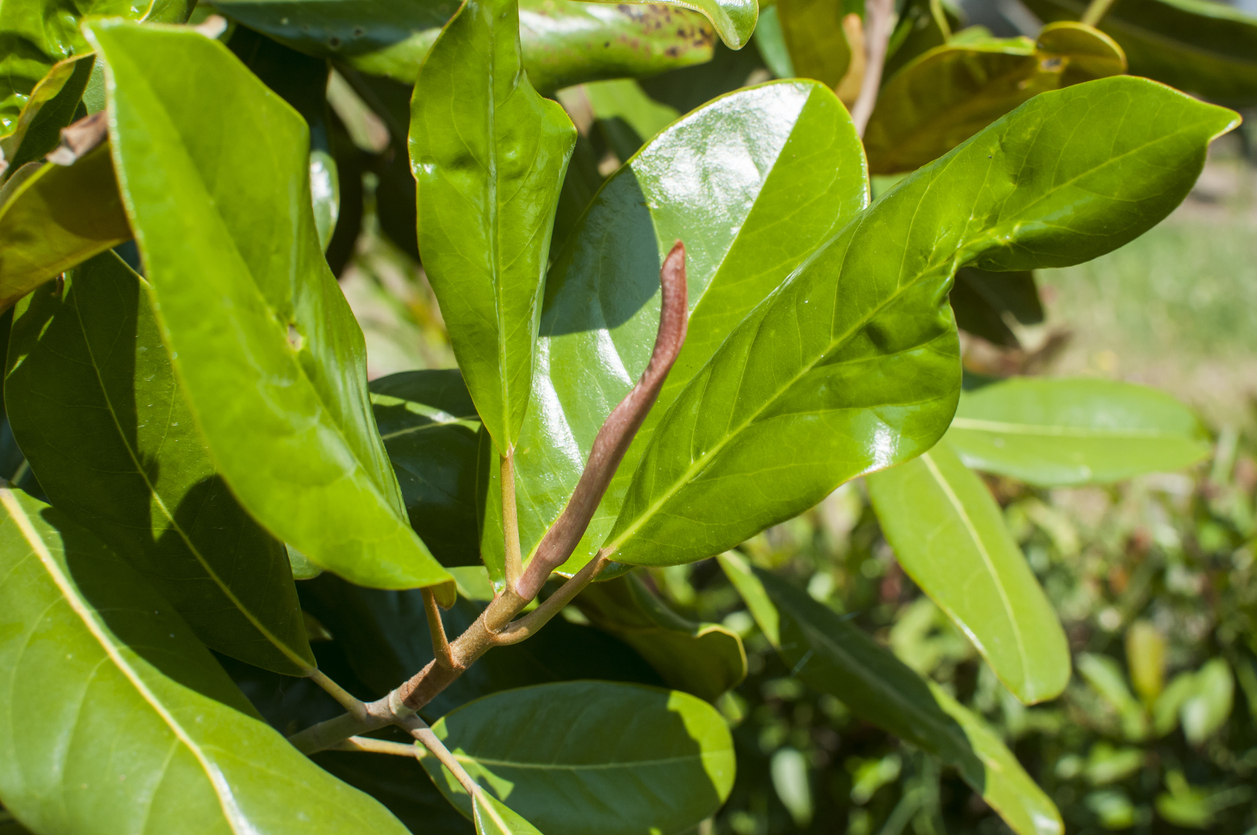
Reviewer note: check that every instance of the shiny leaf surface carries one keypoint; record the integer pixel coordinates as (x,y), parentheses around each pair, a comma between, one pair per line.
(630,759)
(835,657)
(489,156)
(138,699)
(53,217)
(705,659)
(1202,47)
(951,92)
(564,42)
(853,365)
(431,431)
(769,173)
(271,358)
(97,410)
(36,34)
(949,535)
(1059,432)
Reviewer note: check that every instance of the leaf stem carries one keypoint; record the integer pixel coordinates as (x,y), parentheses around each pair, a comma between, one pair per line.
(377,746)
(514,563)
(1096,11)
(878,14)
(20,472)
(420,730)
(496,625)
(527,626)
(440,643)
(347,700)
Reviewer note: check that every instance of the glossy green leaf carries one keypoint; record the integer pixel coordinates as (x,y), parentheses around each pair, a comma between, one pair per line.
(1204,47)
(705,659)
(97,410)
(592,756)
(752,183)
(53,217)
(36,34)
(385,636)
(489,156)
(564,42)
(50,107)
(951,92)
(271,358)
(868,375)
(430,429)
(949,535)
(492,817)
(1057,432)
(143,730)
(835,657)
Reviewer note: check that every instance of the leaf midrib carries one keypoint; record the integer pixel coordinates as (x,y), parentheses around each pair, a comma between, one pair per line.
(1048,430)
(234,817)
(976,538)
(461,756)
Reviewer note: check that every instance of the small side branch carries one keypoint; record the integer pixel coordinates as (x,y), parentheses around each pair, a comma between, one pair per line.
(347,700)
(1096,11)
(528,625)
(878,14)
(420,730)
(376,746)
(440,643)
(617,431)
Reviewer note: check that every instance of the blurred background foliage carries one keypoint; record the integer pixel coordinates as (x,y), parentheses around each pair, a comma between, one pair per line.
(1153,579)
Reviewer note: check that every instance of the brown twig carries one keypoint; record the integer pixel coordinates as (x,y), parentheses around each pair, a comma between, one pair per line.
(79,137)
(877,22)
(617,431)
(440,643)
(495,626)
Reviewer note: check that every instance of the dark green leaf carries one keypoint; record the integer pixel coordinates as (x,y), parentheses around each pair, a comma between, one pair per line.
(50,107)
(564,42)
(1207,48)
(705,659)
(923,25)
(592,756)
(430,429)
(271,358)
(401,784)
(1056,432)
(801,397)
(36,34)
(142,730)
(950,93)
(813,32)
(95,405)
(949,535)
(987,304)
(751,183)
(53,217)
(835,657)
(489,156)
(771,43)
(385,636)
